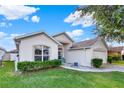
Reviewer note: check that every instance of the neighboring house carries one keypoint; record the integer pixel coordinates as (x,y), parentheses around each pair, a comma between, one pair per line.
(2,53)
(40,46)
(117,50)
(11,55)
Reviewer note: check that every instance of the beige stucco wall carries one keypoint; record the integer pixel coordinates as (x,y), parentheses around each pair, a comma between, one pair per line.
(81,56)
(26,48)
(100,54)
(6,56)
(63,38)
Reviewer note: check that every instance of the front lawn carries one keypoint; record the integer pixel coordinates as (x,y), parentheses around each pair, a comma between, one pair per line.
(121,63)
(59,77)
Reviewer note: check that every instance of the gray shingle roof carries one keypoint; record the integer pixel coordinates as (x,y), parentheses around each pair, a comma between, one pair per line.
(83,44)
(116,49)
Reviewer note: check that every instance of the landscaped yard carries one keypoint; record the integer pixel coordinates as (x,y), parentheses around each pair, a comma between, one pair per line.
(59,77)
(121,63)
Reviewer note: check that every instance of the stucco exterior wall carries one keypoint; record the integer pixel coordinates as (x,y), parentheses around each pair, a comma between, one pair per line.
(101,52)
(26,47)
(67,43)
(13,57)
(62,38)
(6,57)
(83,57)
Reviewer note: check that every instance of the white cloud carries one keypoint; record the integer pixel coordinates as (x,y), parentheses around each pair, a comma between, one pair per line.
(26,18)
(12,36)
(6,40)
(75,19)
(86,39)
(5,24)
(35,19)
(73,16)
(2,35)
(17,12)
(75,34)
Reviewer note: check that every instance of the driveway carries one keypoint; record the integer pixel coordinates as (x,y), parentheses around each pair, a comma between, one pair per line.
(104,68)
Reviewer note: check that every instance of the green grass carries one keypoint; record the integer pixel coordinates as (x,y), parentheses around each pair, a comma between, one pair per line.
(121,63)
(59,77)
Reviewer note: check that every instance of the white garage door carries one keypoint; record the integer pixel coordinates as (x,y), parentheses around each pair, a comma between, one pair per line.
(80,56)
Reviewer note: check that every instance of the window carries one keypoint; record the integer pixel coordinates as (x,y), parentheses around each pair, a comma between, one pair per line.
(59,53)
(46,53)
(39,56)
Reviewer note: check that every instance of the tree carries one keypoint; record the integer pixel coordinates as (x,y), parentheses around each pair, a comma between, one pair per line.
(109,20)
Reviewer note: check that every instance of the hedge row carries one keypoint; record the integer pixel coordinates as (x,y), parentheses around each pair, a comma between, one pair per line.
(38,65)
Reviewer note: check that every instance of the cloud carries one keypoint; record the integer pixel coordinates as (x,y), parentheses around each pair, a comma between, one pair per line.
(6,40)
(26,18)
(12,36)
(73,16)
(75,34)
(17,12)
(86,39)
(76,19)
(2,35)
(4,24)
(35,19)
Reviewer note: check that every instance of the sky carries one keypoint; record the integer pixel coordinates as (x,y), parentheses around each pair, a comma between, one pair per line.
(19,20)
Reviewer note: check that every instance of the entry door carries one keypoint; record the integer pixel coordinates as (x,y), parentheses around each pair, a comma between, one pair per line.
(122,57)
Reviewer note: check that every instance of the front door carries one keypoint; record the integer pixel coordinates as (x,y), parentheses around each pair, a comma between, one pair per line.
(122,57)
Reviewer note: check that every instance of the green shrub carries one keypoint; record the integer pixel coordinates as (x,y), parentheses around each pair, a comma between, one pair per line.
(38,65)
(96,62)
(109,59)
(7,61)
(116,58)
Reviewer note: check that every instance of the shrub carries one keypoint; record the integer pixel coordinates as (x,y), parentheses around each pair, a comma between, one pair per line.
(38,65)
(109,59)
(7,61)
(96,62)
(116,58)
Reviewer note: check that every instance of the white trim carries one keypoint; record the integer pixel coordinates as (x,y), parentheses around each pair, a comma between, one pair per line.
(42,52)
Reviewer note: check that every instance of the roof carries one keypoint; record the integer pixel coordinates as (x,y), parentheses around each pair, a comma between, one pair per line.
(13,51)
(87,43)
(33,34)
(116,49)
(83,44)
(65,35)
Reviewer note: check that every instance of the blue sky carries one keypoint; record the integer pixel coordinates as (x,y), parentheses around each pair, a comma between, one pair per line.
(18,20)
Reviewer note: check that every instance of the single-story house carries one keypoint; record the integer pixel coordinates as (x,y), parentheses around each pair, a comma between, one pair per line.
(119,50)
(40,46)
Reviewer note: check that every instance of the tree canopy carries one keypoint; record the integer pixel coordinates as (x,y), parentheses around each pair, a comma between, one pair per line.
(109,20)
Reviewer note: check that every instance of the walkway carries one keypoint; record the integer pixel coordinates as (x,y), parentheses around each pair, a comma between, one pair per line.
(105,68)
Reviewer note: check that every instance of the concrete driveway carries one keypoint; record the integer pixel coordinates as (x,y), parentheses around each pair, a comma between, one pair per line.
(104,68)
